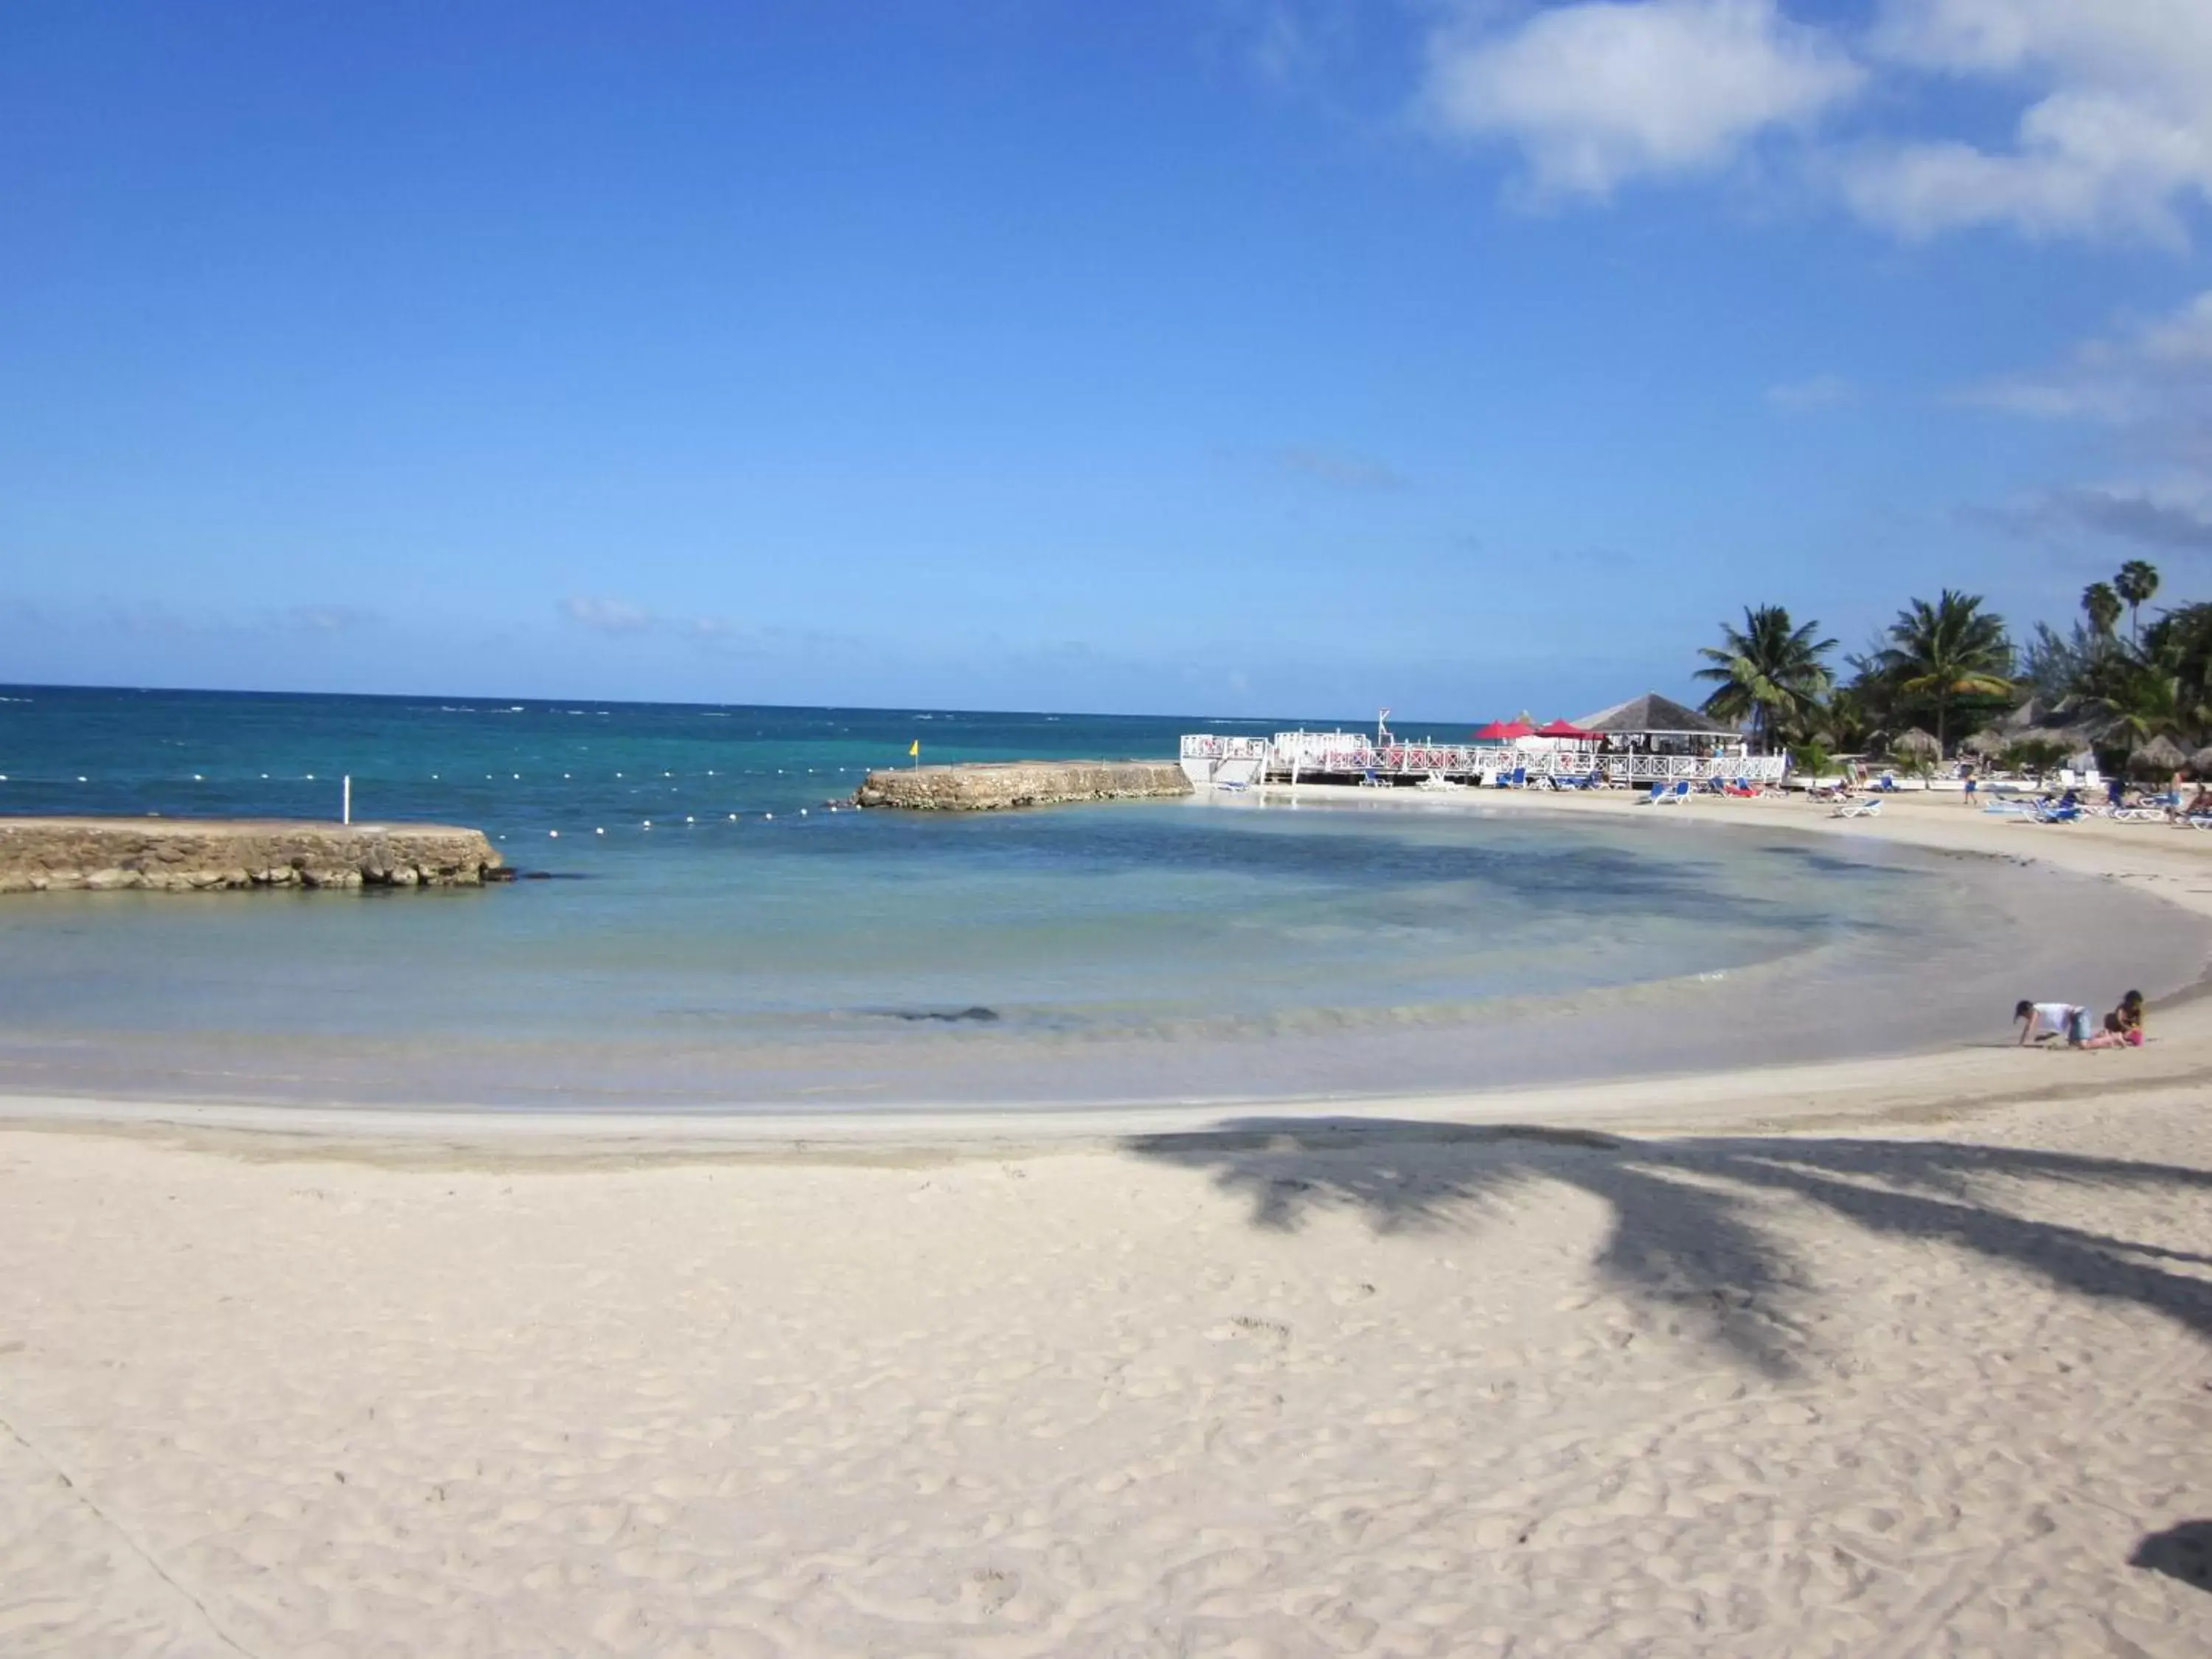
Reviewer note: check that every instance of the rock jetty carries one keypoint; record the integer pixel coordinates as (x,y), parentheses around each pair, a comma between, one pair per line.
(988,787)
(207,854)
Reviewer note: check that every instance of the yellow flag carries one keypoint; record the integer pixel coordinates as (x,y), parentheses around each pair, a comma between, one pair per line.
(914,748)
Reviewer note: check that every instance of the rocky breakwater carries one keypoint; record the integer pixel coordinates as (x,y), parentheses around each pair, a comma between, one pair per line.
(988,787)
(209,854)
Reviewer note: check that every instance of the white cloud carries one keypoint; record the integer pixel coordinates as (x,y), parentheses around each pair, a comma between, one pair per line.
(2087,163)
(1287,45)
(2151,372)
(2108,103)
(2113,137)
(622,619)
(1821,392)
(1313,465)
(2149,383)
(1601,92)
(1339,469)
(604,615)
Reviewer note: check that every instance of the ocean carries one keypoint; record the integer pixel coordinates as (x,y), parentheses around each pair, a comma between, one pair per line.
(718,929)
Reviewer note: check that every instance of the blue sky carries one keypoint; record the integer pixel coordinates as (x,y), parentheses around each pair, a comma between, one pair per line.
(1226,356)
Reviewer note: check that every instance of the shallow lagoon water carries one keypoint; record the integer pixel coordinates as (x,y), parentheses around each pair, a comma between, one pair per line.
(1200,950)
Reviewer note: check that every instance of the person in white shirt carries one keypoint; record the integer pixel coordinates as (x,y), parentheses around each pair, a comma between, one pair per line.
(2041,1021)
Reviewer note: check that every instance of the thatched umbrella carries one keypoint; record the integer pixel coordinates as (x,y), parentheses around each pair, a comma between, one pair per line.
(1987,743)
(1914,745)
(2200,764)
(2160,757)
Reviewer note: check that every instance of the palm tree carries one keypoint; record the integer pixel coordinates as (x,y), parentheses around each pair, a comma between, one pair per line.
(2149,700)
(2100,602)
(1845,721)
(2179,643)
(2151,705)
(1950,649)
(1767,671)
(2136,582)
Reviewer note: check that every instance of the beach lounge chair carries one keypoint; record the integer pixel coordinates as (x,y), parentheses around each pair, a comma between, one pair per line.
(1858,809)
(1663,796)
(1658,794)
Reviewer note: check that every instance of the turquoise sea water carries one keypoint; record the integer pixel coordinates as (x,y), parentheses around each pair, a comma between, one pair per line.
(754,947)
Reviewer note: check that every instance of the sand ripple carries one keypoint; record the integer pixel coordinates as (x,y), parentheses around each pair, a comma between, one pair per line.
(1240,1397)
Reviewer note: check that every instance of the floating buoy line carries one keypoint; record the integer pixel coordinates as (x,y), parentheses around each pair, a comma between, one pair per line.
(674,778)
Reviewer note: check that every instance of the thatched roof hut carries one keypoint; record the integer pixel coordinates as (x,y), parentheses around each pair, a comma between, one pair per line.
(1914,745)
(2159,758)
(1987,743)
(2200,764)
(1653,714)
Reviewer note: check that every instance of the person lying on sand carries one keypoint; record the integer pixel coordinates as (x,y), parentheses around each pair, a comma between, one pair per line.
(2126,1021)
(2039,1022)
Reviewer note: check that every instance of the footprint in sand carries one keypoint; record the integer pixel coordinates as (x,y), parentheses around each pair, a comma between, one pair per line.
(1246,1327)
(986,1591)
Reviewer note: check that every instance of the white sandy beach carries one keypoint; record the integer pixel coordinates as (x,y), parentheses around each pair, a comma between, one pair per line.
(1904,1357)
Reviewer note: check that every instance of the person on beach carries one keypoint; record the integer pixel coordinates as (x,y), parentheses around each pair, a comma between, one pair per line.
(2126,1021)
(1967,774)
(2039,1022)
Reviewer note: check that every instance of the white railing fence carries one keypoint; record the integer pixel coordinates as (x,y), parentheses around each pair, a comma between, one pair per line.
(1208,759)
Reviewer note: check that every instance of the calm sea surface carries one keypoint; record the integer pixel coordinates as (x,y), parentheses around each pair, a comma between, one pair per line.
(717,935)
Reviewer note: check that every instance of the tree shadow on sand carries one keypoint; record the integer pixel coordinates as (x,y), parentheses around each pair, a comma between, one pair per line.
(2183,1553)
(1685,1243)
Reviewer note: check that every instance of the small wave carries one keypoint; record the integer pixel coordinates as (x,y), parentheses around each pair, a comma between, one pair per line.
(975,1016)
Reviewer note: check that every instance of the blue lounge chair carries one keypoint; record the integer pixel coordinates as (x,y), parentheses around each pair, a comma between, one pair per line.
(1658,794)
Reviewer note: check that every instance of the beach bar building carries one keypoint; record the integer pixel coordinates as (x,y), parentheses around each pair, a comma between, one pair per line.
(1647,740)
(1655,739)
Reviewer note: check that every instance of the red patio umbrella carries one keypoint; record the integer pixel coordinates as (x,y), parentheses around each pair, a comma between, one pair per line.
(1561,729)
(1502,730)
